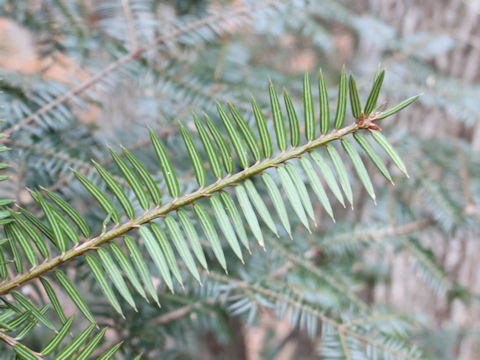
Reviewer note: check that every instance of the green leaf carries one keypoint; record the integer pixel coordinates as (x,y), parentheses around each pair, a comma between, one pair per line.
(247,133)
(181,246)
(341,172)
(324,105)
(260,205)
(70,211)
(8,312)
(4,202)
(32,234)
(373,96)
(127,268)
(106,204)
(54,342)
(102,281)
(22,300)
(226,226)
(17,258)
(309,108)
(68,229)
(116,276)
(31,325)
(367,147)
(342,101)
(74,295)
(141,266)
(166,165)
(58,232)
(197,162)
(292,119)
(210,233)
(396,108)
(19,320)
(53,299)
(91,346)
(278,120)
(110,352)
(157,256)
(232,132)
(25,244)
(116,190)
(5,221)
(212,153)
(354,98)
(24,353)
(222,145)
(302,190)
(262,129)
(249,214)
(3,265)
(167,251)
(44,229)
(192,237)
(132,179)
(292,196)
(277,201)
(74,345)
(383,142)
(359,167)
(328,175)
(234,215)
(147,179)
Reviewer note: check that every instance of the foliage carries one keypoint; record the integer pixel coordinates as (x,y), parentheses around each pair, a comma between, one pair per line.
(159,239)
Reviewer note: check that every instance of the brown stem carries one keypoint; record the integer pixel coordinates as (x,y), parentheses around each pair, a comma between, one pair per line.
(12,342)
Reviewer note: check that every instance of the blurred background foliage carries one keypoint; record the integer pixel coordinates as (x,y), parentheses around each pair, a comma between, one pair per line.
(110,68)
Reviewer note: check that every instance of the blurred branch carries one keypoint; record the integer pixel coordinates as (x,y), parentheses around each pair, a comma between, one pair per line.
(174,315)
(312,268)
(130,24)
(135,54)
(340,328)
(50,153)
(378,234)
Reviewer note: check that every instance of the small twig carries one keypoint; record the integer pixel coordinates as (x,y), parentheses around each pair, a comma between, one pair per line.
(368,319)
(50,153)
(381,233)
(173,315)
(343,341)
(315,270)
(12,342)
(130,24)
(340,328)
(465,176)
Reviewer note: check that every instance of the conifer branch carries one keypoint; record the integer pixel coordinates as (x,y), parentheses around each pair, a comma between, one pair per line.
(36,271)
